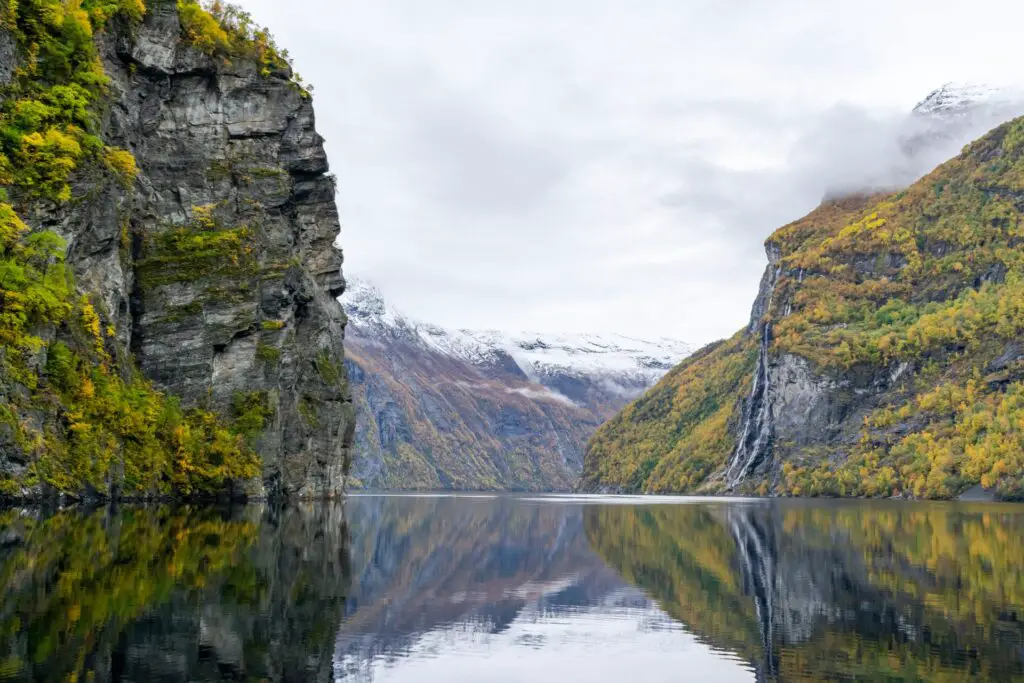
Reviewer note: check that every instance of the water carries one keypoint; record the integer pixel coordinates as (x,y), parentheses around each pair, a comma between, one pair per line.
(447,589)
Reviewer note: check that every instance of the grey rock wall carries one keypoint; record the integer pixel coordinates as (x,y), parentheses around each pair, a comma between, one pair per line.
(794,405)
(224,149)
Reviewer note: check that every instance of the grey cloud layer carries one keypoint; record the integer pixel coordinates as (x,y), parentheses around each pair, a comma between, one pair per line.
(613,165)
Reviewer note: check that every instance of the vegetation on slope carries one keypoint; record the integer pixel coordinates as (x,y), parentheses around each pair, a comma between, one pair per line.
(47,120)
(945,297)
(926,285)
(81,418)
(223,30)
(680,431)
(428,422)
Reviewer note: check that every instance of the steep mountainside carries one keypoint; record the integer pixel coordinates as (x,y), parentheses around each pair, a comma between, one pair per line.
(442,408)
(167,269)
(884,355)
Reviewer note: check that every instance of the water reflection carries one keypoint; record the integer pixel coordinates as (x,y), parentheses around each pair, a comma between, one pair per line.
(818,591)
(501,589)
(436,589)
(161,594)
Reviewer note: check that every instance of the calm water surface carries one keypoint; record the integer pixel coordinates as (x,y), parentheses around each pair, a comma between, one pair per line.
(446,589)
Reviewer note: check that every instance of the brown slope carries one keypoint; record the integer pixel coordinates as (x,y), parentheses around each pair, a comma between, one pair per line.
(430,421)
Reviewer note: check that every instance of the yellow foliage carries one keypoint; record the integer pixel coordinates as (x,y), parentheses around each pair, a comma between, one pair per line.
(925,287)
(202,29)
(97,426)
(49,158)
(91,324)
(677,434)
(122,163)
(224,30)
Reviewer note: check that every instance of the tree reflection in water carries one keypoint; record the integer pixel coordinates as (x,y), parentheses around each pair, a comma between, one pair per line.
(161,593)
(845,591)
(799,591)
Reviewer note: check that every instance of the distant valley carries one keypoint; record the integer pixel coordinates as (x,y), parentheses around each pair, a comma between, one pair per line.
(484,410)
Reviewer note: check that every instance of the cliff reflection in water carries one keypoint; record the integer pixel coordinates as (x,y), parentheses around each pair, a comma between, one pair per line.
(162,594)
(820,591)
(423,589)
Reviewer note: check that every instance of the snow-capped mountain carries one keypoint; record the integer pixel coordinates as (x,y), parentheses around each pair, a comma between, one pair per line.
(906,146)
(961,99)
(445,408)
(952,116)
(633,363)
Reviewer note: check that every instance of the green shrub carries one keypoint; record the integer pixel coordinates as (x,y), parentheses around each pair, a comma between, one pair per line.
(222,29)
(327,368)
(201,249)
(46,116)
(267,354)
(250,411)
(60,366)
(100,426)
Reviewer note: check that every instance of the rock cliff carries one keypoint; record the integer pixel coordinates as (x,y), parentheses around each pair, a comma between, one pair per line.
(211,270)
(882,357)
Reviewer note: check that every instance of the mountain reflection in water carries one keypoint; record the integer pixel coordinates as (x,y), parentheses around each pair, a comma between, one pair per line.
(434,588)
(171,594)
(501,589)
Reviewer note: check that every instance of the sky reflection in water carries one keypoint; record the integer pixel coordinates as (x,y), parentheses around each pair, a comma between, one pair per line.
(503,588)
(612,589)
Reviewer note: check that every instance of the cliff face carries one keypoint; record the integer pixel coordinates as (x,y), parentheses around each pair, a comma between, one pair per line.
(209,135)
(883,357)
(439,408)
(214,268)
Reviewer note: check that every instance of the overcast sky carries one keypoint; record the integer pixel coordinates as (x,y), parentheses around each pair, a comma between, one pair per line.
(611,165)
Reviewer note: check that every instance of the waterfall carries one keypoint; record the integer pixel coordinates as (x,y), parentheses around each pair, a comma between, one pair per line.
(754,446)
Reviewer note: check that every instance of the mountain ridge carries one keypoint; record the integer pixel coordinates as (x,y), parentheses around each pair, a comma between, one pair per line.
(535,353)
(468,409)
(882,357)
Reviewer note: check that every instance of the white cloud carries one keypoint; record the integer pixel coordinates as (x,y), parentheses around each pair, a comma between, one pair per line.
(543,394)
(612,165)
